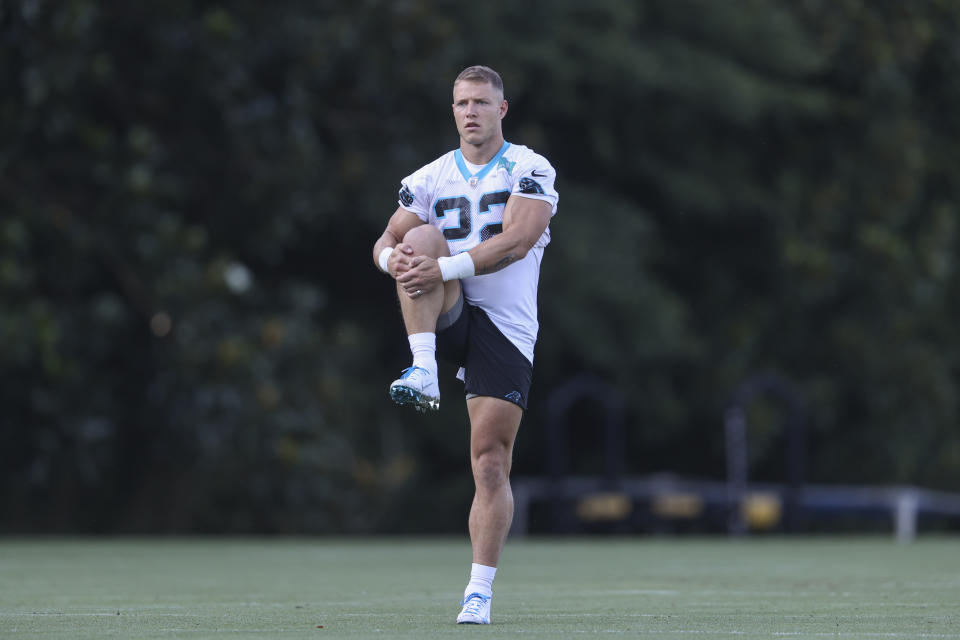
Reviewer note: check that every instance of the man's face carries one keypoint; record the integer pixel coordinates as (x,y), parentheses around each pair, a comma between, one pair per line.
(478,109)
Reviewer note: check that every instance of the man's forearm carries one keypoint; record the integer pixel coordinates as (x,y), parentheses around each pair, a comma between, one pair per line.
(497,253)
(386,241)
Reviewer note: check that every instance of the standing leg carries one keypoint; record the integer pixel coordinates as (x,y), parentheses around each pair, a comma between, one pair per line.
(493,429)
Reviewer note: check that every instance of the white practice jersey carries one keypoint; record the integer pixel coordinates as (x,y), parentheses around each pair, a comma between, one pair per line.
(466,203)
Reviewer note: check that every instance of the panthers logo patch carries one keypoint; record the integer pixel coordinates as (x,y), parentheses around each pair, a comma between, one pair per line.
(528,185)
(406,196)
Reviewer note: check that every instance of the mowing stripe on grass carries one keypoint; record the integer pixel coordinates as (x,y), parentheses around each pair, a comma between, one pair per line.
(409,588)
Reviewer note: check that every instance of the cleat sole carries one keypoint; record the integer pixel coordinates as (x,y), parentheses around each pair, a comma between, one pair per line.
(422,403)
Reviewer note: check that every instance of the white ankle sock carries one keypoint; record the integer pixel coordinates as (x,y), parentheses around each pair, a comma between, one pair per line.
(481,580)
(423,346)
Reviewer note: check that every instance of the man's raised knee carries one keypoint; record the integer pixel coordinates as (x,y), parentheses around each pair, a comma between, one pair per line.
(427,240)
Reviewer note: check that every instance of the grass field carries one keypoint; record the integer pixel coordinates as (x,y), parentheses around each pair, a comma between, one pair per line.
(408,588)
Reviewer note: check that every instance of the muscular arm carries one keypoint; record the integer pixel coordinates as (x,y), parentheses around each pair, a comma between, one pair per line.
(524,221)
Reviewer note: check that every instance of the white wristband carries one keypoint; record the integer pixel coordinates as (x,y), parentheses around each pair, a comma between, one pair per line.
(457,267)
(383,257)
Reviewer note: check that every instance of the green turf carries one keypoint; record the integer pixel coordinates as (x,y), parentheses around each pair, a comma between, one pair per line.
(402,588)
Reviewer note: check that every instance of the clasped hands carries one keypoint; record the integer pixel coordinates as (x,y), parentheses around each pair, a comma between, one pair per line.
(416,274)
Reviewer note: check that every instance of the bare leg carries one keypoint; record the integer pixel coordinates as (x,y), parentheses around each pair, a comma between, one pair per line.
(420,314)
(423,297)
(493,429)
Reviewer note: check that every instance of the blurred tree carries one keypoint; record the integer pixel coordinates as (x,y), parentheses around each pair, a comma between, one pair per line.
(193,336)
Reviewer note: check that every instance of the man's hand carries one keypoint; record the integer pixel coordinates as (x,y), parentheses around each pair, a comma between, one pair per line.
(420,274)
(399,260)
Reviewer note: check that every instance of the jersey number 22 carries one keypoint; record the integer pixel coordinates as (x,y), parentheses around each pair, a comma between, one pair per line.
(464,207)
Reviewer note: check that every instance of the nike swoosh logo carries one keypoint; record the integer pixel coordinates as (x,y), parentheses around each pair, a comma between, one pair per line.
(538,175)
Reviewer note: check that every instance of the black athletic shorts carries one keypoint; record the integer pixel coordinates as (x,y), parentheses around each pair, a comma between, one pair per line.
(493,366)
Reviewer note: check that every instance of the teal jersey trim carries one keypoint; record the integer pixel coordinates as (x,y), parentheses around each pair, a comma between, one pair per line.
(479,175)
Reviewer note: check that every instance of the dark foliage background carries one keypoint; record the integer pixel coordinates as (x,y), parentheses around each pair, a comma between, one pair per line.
(193,337)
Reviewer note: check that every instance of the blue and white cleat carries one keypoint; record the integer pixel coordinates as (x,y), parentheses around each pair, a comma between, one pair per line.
(476,609)
(418,387)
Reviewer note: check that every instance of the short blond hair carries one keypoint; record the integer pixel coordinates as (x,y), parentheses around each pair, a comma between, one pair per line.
(480,73)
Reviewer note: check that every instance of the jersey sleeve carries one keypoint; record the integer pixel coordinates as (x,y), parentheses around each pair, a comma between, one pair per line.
(414,193)
(534,179)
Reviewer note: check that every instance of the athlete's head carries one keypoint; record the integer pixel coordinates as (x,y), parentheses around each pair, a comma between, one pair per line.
(480,73)
(478,105)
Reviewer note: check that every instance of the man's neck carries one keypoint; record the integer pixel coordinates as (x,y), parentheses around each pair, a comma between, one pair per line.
(481,154)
